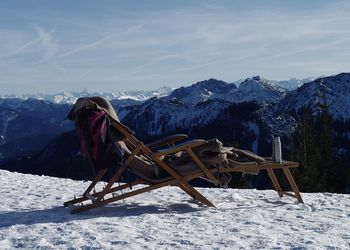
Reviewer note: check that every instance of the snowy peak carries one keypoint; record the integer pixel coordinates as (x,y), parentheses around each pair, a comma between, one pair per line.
(256,83)
(334,90)
(142,95)
(294,83)
(259,90)
(71,97)
(202,91)
(251,89)
(213,85)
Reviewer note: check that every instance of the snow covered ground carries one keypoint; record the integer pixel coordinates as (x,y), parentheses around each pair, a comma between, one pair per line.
(32,216)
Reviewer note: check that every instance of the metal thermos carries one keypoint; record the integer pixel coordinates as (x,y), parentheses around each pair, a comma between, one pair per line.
(276,150)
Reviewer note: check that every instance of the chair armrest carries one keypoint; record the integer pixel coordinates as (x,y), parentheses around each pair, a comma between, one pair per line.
(166,140)
(179,147)
(248,154)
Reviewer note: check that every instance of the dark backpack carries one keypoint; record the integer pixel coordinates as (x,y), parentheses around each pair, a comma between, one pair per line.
(96,144)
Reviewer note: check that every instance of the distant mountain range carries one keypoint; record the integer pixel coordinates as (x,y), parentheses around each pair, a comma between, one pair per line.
(127,97)
(165,109)
(70,97)
(251,89)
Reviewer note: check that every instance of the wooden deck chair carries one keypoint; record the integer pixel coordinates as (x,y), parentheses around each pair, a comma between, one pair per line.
(144,160)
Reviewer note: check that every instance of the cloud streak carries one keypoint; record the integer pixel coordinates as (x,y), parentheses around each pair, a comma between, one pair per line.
(47,41)
(20,49)
(85,47)
(191,42)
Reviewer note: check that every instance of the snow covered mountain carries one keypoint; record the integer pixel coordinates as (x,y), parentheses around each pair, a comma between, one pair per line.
(32,216)
(204,90)
(331,90)
(293,83)
(161,115)
(190,108)
(71,97)
(259,90)
(28,125)
(251,89)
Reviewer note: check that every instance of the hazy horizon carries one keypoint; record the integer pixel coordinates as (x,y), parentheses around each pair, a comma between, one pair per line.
(237,82)
(107,46)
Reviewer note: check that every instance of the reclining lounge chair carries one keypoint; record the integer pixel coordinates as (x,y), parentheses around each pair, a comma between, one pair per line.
(170,161)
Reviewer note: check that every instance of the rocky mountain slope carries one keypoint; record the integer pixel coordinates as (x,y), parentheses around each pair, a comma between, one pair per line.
(332,90)
(28,125)
(251,89)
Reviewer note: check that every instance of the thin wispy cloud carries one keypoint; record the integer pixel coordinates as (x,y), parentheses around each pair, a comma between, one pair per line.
(47,41)
(119,46)
(20,49)
(85,47)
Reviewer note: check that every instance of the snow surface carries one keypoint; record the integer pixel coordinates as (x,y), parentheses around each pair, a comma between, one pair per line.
(32,216)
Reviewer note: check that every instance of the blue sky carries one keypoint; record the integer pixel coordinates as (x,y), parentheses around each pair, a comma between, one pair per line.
(51,46)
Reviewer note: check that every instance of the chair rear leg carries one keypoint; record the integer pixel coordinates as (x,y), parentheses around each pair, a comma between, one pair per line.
(114,178)
(97,178)
(293,184)
(183,184)
(275,182)
(191,191)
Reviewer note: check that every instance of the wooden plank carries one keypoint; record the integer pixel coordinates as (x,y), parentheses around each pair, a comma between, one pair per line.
(127,133)
(202,166)
(133,153)
(197,195)
(167,140)
(114,178)
(186,190)
(243,167)
(123,196)
(248,154)
(179,147)
(114,189)
(97,178)
(293,184)
(183,182)
(266,165)
(91,186)
(275,182)
(119,172)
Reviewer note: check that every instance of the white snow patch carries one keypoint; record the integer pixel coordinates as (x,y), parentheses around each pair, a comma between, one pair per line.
(32,216)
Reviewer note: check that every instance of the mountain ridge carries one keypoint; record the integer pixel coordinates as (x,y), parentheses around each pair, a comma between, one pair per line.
(69,97)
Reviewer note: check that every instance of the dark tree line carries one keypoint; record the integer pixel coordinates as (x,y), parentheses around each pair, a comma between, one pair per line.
(322,166)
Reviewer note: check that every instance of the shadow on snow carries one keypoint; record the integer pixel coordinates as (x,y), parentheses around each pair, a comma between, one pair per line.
(61,214)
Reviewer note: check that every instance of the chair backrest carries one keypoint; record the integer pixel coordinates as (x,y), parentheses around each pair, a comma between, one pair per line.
(93,117)
(96,143)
